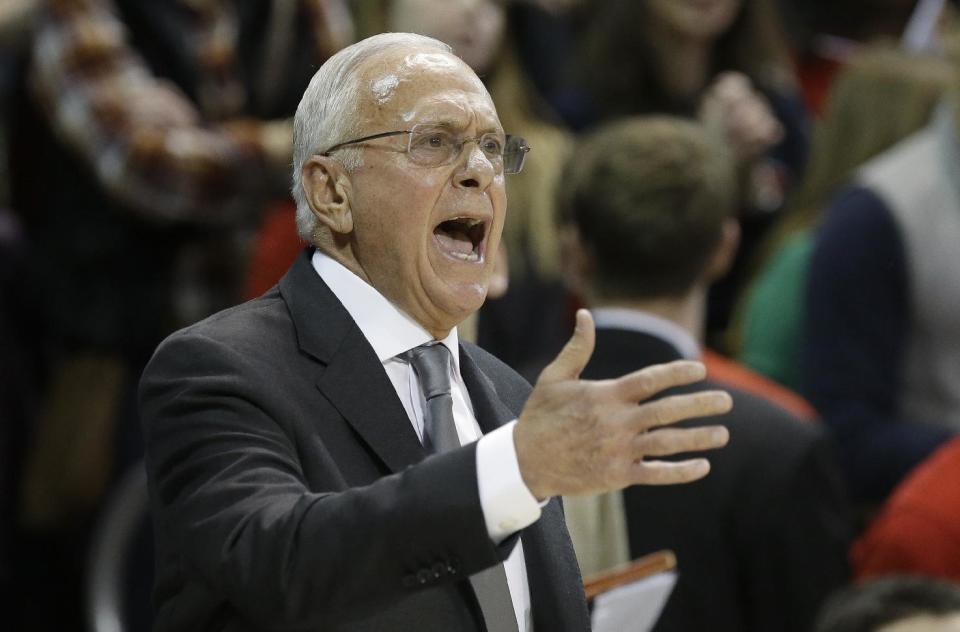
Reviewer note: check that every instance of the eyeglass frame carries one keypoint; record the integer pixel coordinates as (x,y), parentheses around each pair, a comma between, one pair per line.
(524,148)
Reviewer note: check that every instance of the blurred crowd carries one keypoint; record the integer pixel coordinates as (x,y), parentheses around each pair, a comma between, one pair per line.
(771,186)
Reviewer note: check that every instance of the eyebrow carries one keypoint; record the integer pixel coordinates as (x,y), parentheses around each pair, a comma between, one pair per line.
(453,125)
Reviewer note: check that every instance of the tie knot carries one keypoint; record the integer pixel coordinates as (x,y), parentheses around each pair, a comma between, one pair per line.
(432,364)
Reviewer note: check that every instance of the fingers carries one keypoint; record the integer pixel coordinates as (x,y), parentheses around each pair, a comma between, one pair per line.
(647,382)
(669,441)
(669,472)
(670,410)
(575,354)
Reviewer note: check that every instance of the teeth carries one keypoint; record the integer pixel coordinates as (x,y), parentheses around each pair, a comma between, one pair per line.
(469,221)
(466,256)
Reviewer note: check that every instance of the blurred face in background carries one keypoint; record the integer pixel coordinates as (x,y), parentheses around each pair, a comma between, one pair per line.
(474,28)
(695,19)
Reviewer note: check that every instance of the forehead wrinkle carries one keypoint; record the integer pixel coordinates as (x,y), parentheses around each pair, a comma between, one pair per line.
(458,113)
(398,92)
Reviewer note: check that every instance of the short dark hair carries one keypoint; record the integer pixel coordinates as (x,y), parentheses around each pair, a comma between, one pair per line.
(648,196)
(872,604)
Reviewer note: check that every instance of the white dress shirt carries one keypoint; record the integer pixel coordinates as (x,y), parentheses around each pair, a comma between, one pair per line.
(647,323)
(507,504)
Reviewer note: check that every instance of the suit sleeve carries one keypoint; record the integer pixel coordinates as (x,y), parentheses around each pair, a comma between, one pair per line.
(856,328)
(227,486)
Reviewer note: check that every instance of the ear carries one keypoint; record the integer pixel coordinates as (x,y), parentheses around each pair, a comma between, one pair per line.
(722,258)
(327,188)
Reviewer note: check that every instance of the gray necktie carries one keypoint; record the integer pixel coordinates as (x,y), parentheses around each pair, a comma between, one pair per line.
(432,364)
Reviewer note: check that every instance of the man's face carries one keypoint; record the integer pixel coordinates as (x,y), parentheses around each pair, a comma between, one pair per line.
(426,236)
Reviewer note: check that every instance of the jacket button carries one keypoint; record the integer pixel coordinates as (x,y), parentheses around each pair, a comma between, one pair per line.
(424,576)
(439,570)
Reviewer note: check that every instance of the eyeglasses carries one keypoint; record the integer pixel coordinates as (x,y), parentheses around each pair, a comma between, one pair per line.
(432,146)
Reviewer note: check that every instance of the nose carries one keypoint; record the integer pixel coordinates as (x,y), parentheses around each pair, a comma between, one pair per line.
(474,170)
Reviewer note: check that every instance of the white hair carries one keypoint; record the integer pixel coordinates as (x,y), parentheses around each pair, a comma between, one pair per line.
(327,113)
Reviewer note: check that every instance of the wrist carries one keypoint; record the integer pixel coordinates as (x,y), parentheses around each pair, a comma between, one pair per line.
(527,464)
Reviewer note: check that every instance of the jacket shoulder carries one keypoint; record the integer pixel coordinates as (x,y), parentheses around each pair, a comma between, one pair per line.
(766,419)
(258,333)
(766,437)
(251,323)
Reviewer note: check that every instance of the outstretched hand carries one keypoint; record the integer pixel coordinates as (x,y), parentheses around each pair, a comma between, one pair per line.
(579,437)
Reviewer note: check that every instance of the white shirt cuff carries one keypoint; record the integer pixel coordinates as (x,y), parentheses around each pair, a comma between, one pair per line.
(507,504)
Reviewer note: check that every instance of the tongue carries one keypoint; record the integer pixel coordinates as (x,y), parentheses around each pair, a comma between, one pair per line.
(455,241)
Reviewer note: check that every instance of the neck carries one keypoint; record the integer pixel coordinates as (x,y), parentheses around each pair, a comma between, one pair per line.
(344,256)
(688,311)
(340,249)
(682,63)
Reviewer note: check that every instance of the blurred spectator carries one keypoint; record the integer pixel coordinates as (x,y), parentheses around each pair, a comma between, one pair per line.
(153,136)
(17,387)
(827,33)
(893,604)
(762,539)
(882,96)
(18,369)
(726,63)
(546,35)
(881,353)
(918,529)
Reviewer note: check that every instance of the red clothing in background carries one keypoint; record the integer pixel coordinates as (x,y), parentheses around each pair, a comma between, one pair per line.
(726,371)
(918,529)
(275,248)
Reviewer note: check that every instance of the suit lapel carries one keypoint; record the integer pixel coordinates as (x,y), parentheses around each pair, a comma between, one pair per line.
(557,600)
(355,383)
(350,375)
(556,589)
(490,411)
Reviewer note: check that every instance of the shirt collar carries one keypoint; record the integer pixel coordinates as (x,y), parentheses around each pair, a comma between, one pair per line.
(387,328)
(647,323)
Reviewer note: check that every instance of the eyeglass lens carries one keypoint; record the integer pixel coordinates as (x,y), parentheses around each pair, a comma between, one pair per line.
(432,146)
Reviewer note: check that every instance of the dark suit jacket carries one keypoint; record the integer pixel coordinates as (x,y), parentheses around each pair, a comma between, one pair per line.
(763,538)
(290,491)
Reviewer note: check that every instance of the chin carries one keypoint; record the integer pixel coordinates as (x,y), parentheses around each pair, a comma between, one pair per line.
(466,299)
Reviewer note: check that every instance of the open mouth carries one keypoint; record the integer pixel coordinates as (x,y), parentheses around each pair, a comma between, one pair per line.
(462,238)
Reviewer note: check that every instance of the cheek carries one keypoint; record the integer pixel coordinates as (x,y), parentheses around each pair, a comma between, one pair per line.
(498,198)
(402,214)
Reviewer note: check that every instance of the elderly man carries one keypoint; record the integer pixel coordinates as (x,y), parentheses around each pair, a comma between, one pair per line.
(312,454)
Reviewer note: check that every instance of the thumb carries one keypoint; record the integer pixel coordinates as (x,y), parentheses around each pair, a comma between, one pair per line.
(575,354)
